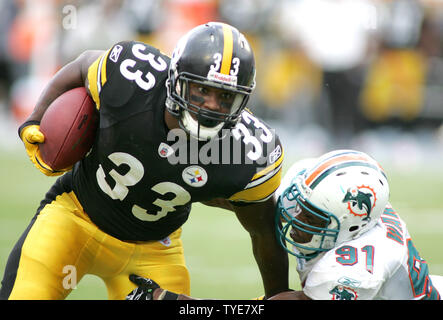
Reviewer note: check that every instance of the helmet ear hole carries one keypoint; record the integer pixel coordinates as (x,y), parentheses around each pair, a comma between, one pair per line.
(353,228)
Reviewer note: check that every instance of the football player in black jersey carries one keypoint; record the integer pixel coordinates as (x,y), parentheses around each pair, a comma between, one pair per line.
(172,131)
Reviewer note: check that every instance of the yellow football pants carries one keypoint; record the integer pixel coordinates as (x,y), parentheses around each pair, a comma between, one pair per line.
(63,245)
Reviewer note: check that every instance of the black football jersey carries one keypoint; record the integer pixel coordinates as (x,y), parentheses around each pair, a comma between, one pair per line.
(140,178)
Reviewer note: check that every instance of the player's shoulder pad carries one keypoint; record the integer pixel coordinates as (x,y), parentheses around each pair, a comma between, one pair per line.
(126,61)
(265,151)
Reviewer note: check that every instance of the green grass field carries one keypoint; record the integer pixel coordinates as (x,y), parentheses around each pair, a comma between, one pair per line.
(217,249)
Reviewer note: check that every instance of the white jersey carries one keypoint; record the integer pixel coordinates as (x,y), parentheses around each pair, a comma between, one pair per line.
(381,264)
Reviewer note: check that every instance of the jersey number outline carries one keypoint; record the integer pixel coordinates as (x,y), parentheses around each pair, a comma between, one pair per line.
(217,63)
(348,256)
(147,81)
(249,139)
(131,178)
(418,269)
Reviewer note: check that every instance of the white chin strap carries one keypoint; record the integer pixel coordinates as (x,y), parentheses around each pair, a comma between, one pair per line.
(197,131)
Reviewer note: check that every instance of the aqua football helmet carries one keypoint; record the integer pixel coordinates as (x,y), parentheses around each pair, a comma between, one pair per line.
(215,55)
(338,198)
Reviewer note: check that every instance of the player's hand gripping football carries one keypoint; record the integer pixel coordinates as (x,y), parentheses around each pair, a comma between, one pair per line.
(146,289)
(31,136)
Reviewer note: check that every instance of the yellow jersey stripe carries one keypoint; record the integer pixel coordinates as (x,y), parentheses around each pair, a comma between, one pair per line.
(269,168)
(257,182)
(92,79)
(97,77)
(103,69)
(260,192)
(227,49)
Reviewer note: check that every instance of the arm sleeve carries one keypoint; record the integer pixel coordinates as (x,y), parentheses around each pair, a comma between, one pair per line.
(97,77)
(102,69)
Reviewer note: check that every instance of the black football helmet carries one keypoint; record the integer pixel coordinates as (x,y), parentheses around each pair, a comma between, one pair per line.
(215,55)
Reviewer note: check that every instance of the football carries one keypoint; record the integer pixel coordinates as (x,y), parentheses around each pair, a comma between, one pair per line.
(69,126)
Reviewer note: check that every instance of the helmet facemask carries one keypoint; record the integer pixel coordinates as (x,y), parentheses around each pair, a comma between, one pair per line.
(322,226)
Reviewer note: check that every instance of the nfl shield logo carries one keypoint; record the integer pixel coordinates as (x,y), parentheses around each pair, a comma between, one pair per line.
(164,150)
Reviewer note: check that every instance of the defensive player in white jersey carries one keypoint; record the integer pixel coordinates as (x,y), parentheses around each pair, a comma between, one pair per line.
(350,244)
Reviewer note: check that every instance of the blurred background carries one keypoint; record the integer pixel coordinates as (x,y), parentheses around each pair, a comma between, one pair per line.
(362,74)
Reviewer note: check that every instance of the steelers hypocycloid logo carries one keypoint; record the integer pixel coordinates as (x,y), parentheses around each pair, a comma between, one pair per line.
(195,176)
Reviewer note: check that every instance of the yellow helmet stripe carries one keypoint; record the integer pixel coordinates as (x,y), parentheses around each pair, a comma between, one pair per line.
(227,49)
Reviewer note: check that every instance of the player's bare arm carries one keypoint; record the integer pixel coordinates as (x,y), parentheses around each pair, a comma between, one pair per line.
(258,220)
(72,75)
(219,203)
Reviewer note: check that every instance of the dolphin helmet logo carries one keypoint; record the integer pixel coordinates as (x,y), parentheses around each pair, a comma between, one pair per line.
(343,293)
(361,200)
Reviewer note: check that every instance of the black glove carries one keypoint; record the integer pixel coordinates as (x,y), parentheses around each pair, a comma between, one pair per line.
(146,288)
